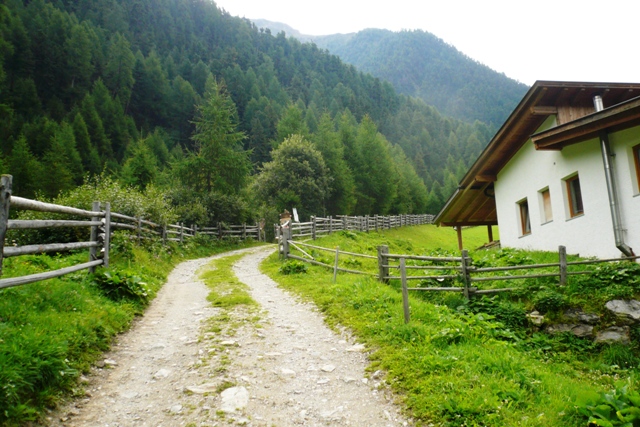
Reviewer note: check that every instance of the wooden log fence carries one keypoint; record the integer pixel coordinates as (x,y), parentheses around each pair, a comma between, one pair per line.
(318,227)
(459,269)
(101,222)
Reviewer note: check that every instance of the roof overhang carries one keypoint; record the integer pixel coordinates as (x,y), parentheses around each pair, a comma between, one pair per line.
(616,118)
(570,102)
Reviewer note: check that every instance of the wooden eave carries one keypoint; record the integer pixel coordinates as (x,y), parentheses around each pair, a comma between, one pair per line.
(471,204)
(618,117)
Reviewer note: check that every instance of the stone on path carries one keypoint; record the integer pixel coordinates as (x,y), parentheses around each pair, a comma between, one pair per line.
(202,389)
(234,398)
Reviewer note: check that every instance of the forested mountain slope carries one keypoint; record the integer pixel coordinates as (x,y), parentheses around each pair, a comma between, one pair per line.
(139,89)
(419,64)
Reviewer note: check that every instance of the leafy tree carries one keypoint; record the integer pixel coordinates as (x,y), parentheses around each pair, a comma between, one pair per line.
(297,177)
(341,199)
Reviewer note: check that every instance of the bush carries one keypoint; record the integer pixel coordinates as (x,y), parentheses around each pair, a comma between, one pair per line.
(293,267)
(549,301)
(620,407)
(118,285)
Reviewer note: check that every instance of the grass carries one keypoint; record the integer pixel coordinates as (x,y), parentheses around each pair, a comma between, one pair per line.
(52,331)
(460,363)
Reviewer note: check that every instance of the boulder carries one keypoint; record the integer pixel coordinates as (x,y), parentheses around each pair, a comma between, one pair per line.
(626,311)
(614,334)
(578,316)
(579,330)
(234,398)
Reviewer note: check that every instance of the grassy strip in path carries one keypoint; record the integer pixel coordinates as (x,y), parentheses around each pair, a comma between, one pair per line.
(452,368)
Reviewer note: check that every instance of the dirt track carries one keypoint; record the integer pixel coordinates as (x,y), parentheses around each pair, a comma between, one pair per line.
(185,363)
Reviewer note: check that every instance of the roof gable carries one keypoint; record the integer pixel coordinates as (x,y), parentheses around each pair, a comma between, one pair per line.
(473,203)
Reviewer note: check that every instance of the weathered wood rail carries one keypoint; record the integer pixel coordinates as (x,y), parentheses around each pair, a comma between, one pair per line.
(438,269)
(101,223)
(318,226)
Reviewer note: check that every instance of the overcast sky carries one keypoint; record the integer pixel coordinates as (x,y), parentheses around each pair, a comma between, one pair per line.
(571,40)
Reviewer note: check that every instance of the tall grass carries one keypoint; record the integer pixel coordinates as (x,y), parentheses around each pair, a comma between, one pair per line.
(459,363)
(52,331)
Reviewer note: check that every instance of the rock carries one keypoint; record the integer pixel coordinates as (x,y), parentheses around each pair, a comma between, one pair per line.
(614,334)
(356,348)
(348,380)
(288,372)
(110,362)
(100,364)
(627,311)
(579,316)
(228,343)
(323,381)
(175,409)
(162,373)
(577,330)
(129,394)
(202,388)
(535,318)
(376,375)
(328,368)
(234,398)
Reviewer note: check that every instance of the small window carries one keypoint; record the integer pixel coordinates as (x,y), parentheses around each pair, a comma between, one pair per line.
(574,196)
(636,157)
(525,221)
(547,212)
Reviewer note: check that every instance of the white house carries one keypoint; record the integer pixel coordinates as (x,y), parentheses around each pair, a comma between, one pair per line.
(564,169)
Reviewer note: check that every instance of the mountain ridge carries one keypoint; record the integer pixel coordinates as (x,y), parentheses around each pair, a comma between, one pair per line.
(419,64)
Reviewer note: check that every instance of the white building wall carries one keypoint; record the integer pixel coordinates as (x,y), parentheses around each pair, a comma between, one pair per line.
(590,234)
(622,144)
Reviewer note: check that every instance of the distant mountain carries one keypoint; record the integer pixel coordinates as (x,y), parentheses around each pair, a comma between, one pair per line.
(419,64)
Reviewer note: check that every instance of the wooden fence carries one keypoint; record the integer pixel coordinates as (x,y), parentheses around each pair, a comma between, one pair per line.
(101,222)
(431,271)
(318,226)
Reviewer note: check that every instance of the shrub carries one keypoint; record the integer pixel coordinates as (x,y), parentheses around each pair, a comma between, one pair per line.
(620,407)
(549,301)
(118,285)
(293,267)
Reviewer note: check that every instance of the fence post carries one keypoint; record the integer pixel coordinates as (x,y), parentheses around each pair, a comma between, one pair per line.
(195,229)
(383,271)
(107,234)
(466,279)
(181,231)
(562,254)
(330,224)
(405,292)
(244,231)
(286,236)
(139,230)
(5,202)
(335,265)
(164,234)
(313,228)
(344,222)
(93,252)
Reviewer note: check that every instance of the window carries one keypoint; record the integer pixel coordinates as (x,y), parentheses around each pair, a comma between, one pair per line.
(574,196)
(636,157)
(525,221)
(545,202)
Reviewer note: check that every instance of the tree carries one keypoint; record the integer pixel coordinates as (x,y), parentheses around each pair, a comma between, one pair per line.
(25,168)
(292,123)
(118,75)
(297,177)
(141,167)
(219,161)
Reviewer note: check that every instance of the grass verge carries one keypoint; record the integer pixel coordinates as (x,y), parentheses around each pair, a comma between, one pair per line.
(452,365)
(52,331)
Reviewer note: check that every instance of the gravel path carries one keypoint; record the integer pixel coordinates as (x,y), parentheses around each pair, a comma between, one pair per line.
(186,363)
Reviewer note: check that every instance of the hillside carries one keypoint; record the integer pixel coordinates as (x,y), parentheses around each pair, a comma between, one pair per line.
(419,64)
(132,89)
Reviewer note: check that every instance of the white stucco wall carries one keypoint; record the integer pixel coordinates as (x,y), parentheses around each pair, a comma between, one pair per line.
(590,234)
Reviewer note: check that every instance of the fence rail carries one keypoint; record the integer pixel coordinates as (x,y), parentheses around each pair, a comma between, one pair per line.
(100,222)
(459,269)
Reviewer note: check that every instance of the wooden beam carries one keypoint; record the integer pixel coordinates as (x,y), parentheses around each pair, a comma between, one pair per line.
(486,178)
(459,231)
(490,232)
(543,110)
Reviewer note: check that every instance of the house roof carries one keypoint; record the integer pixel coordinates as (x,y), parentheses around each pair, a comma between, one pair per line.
(572,104)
